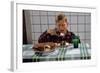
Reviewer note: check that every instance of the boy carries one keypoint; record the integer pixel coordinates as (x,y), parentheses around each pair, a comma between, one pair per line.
(57,35)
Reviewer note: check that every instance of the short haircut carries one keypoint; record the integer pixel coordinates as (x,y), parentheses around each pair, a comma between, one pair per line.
(61,16)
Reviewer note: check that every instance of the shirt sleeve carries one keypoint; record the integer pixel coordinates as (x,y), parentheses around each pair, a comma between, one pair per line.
(44,37)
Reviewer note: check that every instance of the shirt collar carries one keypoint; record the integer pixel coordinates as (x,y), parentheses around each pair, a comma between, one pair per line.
(59,32)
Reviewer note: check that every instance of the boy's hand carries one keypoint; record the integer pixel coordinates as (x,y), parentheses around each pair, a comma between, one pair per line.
(51,32)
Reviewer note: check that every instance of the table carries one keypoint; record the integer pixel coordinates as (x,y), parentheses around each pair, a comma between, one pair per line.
(83,52)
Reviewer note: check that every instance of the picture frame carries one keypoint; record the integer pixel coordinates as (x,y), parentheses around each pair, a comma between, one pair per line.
(16,35)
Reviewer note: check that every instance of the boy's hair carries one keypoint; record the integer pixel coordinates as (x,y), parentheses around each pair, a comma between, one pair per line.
(61,16)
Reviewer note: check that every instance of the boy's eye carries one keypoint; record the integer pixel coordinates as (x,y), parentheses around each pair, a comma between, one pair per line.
(62,25)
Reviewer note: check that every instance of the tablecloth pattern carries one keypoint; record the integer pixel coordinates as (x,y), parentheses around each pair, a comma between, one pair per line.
(83,52)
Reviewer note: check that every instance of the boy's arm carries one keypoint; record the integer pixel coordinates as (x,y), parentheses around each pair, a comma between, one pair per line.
(44,37)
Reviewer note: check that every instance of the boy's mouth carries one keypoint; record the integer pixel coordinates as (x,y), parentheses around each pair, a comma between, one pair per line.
(62,31)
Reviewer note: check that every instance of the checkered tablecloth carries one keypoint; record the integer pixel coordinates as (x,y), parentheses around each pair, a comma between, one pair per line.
(60,53)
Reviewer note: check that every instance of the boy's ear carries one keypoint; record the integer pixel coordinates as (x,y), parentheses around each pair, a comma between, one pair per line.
(67,23)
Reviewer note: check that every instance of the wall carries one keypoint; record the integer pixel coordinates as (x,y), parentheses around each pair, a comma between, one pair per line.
(79,23)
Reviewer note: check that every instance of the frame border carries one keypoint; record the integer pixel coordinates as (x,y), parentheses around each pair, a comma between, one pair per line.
(14,33)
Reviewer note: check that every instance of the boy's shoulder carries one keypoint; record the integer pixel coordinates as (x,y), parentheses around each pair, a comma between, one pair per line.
(70,33)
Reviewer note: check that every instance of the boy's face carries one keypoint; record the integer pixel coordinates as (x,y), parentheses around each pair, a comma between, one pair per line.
(62,26)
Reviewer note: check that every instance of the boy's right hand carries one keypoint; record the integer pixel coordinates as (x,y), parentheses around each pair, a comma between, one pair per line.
(51,32)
